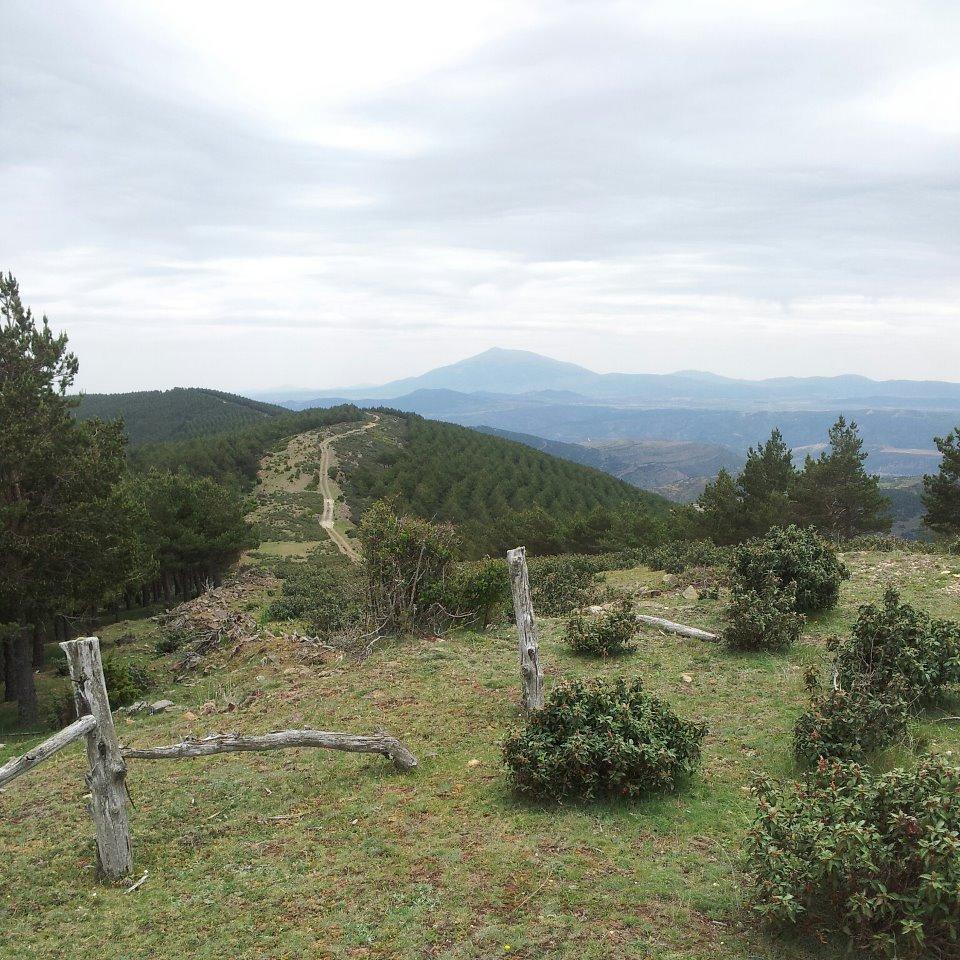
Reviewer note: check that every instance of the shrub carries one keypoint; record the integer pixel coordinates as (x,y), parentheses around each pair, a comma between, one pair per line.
(126,681)
(849,724)
(602,738)
(606,635)
(875,858)
(679,555)
(406,563)
(793,555)
(477,589)
(324,593)
(559,585)
(762,616)
(893,645)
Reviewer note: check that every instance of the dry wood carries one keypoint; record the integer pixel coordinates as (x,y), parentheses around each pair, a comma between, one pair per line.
(670,627)
(43,751)
(107,778)
(233,743)
(531,673)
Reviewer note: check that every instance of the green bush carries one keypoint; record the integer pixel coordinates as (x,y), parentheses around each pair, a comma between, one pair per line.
(606,635)
(602,738)
(561,584)
(126,681)
(325,594)
(762,616)
(849,724)
(793,555)
(406,565)
(476,590)
(875,860)
(680,555)
(894,646)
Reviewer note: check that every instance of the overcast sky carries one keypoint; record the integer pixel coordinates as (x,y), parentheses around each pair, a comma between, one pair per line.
(256,195)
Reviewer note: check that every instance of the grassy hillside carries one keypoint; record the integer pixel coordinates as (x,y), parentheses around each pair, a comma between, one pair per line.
(152,416)
(309,853)
(477,481)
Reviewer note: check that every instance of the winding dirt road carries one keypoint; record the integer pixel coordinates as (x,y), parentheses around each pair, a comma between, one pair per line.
(327,521)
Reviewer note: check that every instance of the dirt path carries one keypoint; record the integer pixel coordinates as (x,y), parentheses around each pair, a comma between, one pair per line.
(326,486)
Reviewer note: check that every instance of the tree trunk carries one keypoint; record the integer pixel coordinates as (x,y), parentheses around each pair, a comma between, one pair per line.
(27,709)
(39,640)
(531,673)
(9,671)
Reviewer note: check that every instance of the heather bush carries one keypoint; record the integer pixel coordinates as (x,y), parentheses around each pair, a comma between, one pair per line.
(794,555)
(762,616)
(602,738)
(872,859)
(605,635)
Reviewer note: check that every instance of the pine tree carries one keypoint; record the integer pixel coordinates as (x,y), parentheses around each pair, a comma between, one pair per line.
(765,485)
(65,540)
(941,492)
(721,510)
(835,494)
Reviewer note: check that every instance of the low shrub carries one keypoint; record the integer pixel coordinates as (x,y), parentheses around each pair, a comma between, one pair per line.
(477,591)
(561,584)
(887,543)
(680,555)
(893,645)
(325,594)
(794,555)
(605,635)
(875,860)
(602,738)
(849,724)
(126,680)
(762,616)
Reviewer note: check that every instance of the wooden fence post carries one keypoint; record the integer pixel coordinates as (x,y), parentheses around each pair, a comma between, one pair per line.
(108,770)
(531,673)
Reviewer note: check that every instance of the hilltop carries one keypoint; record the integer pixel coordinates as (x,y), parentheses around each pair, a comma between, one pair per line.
(153,416)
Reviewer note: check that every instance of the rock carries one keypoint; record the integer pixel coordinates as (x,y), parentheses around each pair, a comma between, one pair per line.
(691,593)
(473,763)
(137,707)
(686,678)
(208,708)
(669,579)
(160,706)
(290,671)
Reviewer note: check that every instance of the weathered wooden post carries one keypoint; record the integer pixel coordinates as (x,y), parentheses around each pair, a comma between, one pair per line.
(108,770)
(531,673)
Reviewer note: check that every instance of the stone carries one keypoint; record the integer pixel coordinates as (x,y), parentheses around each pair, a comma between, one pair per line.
(691,593)
(160,706)
(669,579)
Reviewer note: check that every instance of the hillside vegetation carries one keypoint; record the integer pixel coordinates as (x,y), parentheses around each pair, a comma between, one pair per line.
(493,489)
(309,853)
(152,416)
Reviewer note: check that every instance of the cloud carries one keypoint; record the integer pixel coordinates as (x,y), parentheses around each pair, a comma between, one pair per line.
(322,194)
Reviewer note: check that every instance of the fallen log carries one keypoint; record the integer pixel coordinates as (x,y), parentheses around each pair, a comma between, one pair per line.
(670,627)
(232,743)
(14,767)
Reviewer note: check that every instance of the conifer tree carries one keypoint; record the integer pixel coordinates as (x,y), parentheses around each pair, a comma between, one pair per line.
(835,493)
(765,485)
(941,491)
(65,539)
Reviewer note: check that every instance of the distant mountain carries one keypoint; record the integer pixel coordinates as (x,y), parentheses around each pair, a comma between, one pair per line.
(152,416)
(520,372)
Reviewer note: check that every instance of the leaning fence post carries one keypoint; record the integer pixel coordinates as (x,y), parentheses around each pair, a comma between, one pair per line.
(531,673)
(108,771)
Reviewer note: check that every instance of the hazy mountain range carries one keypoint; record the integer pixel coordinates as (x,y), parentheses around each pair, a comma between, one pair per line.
(525,393)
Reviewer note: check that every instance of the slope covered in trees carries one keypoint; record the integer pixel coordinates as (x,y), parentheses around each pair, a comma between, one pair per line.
(152,416)
(496,491)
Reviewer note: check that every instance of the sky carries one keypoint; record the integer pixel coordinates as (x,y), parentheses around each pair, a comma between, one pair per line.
(253,196)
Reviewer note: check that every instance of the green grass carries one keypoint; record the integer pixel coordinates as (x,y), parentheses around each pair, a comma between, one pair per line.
(302,853)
